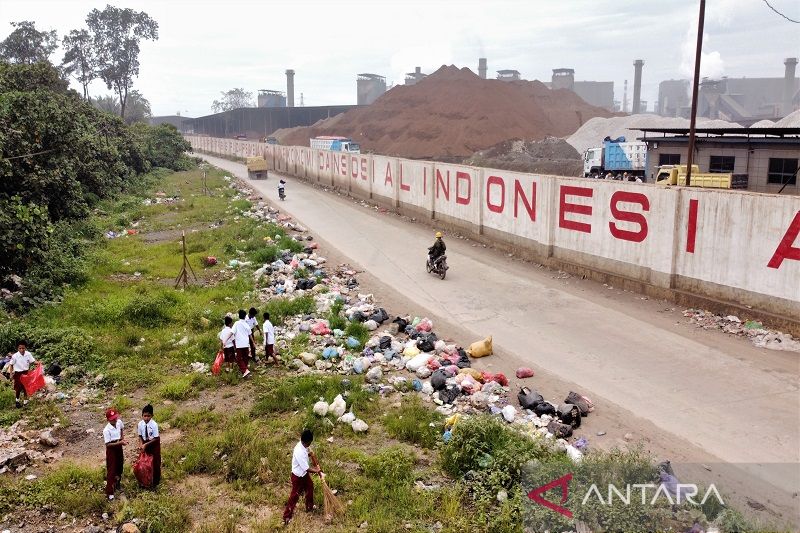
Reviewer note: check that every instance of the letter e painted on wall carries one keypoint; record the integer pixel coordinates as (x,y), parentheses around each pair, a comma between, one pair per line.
(785,249)
(629,216)
(566,207)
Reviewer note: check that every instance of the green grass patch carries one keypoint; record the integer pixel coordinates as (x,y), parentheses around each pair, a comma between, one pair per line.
(357,330)
(281,308)
(414,423)
(183,387)
(335,318)
(75,490)
(302,392)
(158,512)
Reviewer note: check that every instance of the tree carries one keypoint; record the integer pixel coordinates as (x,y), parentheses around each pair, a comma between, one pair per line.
(28,45)
(116,34)
(233,99)
(137,107)
(80,59)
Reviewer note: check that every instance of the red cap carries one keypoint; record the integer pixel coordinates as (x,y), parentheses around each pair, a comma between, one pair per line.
(111,414)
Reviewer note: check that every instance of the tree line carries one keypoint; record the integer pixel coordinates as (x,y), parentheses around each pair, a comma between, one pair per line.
(107,49)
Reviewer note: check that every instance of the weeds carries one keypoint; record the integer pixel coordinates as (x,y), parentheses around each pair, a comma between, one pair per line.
(158,512)
(357,330)
(183,387)
(414,423)
(281,308)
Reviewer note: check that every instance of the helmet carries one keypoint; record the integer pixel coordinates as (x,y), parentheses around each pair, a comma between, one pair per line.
(438,234)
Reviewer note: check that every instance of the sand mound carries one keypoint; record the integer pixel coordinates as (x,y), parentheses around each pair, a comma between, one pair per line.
(549,156)
(452,114)
(594,131)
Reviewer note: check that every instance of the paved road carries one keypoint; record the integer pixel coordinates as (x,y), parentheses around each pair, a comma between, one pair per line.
(718,393)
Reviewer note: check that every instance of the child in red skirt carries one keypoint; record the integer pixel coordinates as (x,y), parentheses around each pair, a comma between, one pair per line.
(112,436)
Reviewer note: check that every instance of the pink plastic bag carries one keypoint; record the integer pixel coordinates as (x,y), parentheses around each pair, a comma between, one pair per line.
(499,378)
(425,325)
(320,328)
(217,366)
(433,364)
(524,372)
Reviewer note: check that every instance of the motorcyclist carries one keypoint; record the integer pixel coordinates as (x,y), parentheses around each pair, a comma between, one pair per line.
(437,250)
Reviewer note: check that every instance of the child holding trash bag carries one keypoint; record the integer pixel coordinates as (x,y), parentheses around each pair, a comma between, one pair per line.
(301,476)
(20,362)
(113,438)
(150,441)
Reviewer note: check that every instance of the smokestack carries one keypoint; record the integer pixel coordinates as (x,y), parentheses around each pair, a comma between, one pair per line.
(625,97)
(290,88)
(637,85)
(482,67)
(417,71)
(788,84)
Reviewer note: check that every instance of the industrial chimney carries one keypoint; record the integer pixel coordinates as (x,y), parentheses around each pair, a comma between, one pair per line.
(637,85)
(482,67)
(788,84)
(290,88)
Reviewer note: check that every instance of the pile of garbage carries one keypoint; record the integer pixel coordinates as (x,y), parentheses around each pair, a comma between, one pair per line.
(754,330)
(161,198)
(399,355)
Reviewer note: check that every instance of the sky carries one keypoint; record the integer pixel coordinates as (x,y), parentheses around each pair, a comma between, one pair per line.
(207,47)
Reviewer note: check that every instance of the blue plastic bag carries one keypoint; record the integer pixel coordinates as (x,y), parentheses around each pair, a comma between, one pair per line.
(352,342)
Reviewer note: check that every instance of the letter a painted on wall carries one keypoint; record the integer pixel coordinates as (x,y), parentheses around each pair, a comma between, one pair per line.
(785,249)
(388,179)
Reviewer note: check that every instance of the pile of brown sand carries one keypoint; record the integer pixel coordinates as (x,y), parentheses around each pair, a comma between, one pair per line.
(548,156)
(452,114)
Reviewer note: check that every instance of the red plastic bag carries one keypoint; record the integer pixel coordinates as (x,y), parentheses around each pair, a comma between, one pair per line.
(524,372)
(33,381)
(143,469)
(217,366)
(433,364)
(320,328)
(499,378)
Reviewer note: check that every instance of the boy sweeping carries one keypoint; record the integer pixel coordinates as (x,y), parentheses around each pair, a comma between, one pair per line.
(301,476)
(150,441)
(112,436)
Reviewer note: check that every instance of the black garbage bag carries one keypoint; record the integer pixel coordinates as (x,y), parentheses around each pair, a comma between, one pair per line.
(463,359)
(544,408)
(401,323)
(528,398)
(569,414)
(358,316)
(425,345)
(54,369)
(385,343)
(438,379)
(561,431)
(583,403)
(450,393)
(380,315)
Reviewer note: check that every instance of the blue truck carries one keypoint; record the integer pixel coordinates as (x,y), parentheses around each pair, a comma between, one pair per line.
(616,157)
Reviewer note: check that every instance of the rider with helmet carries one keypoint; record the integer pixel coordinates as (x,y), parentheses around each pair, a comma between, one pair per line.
(437,250)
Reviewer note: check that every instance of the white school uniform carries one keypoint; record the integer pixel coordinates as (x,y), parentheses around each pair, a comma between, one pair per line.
(269,332)
(147,431)
(241,333)
(21,362)
(112,433)
(300,460)
(226,336)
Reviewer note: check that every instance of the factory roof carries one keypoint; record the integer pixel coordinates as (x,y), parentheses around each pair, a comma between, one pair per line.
(736,132)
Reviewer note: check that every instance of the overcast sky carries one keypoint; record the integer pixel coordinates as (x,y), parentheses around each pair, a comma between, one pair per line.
(205,47)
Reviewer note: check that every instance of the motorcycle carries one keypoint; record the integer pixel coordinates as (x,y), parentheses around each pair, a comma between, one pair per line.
(282,194)
(439,266)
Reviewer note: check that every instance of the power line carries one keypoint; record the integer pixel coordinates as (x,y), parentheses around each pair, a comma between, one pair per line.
(781,14)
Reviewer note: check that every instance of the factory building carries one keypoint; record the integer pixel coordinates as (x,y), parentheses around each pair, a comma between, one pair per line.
(369,87)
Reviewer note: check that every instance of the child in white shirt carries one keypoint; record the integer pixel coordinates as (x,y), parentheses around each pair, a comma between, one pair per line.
(21,362)
(150,441)
(114,441)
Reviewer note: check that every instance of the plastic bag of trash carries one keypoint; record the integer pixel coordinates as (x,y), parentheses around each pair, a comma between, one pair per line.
(338,406)
(330,352)
(401,323)
(320,328)
(425,345)
(450,393)
(499,378)
(476,375)
(569,414)
(433,364)
(481,348)
(524,372)
(544,408)
(584,404)
(424,372)
(371,325)
(528,398)
(321,408)
(509,412)
(417,359)
(359,426)
(559,430)
(463,359)
(385,342)
(358,366)
(374,375)
(347,418)
(352,342)
(424,325)
(380,315)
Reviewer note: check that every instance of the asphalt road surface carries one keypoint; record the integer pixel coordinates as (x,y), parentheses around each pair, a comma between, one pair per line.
(695,395)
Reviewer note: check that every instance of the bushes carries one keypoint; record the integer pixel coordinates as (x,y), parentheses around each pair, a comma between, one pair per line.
(66,346)
(150,310)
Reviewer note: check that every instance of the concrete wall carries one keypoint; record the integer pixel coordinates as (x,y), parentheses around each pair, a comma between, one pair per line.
(722,247)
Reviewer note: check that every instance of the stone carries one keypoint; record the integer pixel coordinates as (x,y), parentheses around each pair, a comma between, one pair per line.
(15,458)
(129,528)
(46,438)
(308,358)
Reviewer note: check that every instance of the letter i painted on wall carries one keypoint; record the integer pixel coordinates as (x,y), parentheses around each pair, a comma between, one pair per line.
(691,226)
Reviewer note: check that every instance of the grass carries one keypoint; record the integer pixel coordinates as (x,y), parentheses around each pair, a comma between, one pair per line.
(357,330)
(158,512)
(414,423)
(301,392)
(281,308)
(183,386)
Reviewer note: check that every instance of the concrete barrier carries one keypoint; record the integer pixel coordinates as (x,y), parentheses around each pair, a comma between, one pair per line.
(720,249)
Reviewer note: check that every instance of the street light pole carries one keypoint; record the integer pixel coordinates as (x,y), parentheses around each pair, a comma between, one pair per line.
(695,85)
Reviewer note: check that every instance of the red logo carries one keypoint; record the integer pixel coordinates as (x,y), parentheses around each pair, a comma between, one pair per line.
(563,482)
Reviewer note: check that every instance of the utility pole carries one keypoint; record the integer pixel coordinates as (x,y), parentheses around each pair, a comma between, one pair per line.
(695,86)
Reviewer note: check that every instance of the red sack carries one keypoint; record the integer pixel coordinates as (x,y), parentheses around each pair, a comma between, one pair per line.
(433,364)
(499,378)
(217,366)
(524,372)
(33,381)
(143,469)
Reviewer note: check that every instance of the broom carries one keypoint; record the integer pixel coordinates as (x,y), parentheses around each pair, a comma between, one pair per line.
(332,506)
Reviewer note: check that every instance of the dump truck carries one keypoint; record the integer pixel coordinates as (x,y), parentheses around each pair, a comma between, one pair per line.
(257,168)
(617,157)
(335,144)
(676,175)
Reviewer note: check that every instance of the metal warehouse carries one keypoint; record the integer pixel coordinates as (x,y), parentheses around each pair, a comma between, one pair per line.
(768,156)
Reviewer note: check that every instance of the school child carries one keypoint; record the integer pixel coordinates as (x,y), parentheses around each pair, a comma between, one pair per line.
(226,342)
(252,321)
(114,440)
(150,441)
(241,340)
(301,476)
(269,340)
(21,362)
